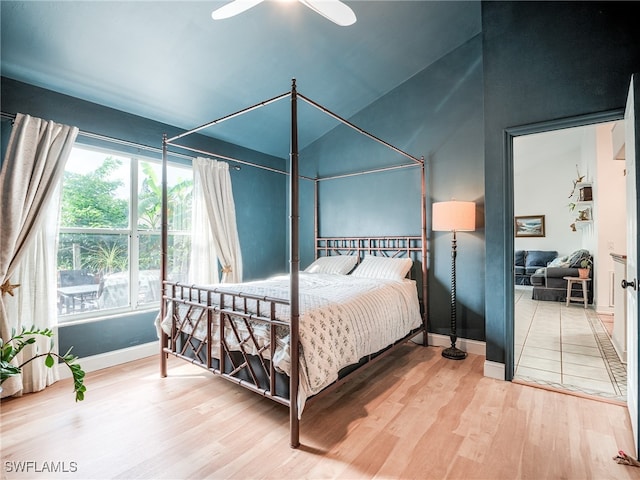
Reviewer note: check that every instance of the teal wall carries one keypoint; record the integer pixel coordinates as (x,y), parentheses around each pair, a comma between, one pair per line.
(260,198)
(437,114)
(543,61)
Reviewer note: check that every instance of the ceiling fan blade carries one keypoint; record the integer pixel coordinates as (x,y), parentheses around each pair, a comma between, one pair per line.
(334,10)
(233,8)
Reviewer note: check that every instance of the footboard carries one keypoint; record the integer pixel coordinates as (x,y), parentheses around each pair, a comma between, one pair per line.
(243,332)
(232,334)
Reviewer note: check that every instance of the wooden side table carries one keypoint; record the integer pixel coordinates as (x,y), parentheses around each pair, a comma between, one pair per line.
(585,293)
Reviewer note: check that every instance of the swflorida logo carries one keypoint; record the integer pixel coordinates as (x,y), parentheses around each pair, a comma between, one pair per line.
(14,466)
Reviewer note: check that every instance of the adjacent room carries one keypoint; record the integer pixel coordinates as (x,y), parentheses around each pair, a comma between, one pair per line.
(319,239)
(580,344)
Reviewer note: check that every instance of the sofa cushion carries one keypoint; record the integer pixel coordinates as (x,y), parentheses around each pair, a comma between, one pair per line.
(538,279)
(534,269)
(559,272)
(519,258)
(540,258)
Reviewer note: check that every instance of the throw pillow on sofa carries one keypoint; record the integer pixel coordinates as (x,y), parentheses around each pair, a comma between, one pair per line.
(540,258)
(560,262)
(575,259)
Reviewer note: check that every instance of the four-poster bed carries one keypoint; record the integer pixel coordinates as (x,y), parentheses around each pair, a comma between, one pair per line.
(294,337)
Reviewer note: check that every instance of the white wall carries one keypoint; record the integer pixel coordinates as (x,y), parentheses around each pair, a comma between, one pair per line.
(544,169)
(609,214)
(588,165)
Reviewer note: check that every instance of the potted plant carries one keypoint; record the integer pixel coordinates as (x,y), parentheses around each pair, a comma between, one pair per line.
(585,266)
(17,342)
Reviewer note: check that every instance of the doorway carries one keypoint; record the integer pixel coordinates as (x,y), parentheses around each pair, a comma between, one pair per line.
(568,347)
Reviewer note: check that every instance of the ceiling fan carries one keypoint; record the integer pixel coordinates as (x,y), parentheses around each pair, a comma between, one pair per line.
(334,10)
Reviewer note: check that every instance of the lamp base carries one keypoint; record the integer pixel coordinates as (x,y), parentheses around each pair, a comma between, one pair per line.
(454,353)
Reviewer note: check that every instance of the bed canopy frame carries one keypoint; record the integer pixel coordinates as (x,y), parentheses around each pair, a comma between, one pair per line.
(326,244)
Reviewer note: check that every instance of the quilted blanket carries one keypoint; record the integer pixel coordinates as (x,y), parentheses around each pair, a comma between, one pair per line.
(342,319)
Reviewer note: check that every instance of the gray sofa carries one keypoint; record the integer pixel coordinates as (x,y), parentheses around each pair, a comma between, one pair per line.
(528,262)
(549,283)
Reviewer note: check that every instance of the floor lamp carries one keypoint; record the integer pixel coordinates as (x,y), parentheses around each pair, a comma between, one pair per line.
(454,216)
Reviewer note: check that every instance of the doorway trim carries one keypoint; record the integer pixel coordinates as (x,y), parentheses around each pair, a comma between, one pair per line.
(508,135)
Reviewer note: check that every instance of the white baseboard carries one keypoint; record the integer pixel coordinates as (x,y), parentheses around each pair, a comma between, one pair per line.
(111,359)
(470,346)
(604,310)
(494,370)
(491,369)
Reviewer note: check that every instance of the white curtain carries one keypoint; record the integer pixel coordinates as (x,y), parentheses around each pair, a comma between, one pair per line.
(203,262)
(29,179)
(219,236)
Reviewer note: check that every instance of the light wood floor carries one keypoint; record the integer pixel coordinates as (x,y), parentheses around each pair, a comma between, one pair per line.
(428,418)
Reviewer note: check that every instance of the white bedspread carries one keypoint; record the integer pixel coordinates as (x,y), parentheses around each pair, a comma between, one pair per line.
(342,319)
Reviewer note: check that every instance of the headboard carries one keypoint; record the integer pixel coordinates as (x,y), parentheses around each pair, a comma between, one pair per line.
(393,247)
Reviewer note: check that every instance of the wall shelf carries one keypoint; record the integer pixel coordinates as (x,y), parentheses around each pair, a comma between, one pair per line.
(583,223)
(583,204)
(585,191)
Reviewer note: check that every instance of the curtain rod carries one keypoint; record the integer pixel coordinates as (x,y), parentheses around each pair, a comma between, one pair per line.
(96,136)
(231,159)
(126,143)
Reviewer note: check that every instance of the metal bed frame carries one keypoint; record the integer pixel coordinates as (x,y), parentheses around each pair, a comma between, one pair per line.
(256,372)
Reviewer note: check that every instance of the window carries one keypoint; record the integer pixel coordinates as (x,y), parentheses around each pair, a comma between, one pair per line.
(109,243)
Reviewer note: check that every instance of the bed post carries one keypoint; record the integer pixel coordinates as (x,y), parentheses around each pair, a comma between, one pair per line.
(425,340)
(163,258)
(295,268)
(316,216)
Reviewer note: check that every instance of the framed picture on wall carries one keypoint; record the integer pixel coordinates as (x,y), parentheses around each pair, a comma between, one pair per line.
(530,226)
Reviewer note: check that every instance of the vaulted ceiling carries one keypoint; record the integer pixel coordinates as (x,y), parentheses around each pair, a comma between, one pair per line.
(170,62)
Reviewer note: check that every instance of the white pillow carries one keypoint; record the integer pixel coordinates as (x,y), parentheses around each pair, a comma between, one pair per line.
(337,264)
(383,267)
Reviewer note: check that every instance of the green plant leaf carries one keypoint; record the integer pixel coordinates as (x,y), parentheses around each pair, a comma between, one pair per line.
(7,370)
(26,337)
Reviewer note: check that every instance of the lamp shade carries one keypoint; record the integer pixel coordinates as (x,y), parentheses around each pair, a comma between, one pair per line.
(454,216)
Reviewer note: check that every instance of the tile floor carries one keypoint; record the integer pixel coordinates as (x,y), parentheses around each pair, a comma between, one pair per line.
(565,347)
